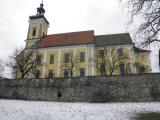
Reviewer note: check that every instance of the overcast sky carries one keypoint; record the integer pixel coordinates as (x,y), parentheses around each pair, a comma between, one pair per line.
(102,16)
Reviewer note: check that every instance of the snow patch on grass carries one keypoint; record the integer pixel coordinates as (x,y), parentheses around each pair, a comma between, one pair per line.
(38,110)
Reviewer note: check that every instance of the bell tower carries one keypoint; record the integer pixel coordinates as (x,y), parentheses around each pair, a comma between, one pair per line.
(38,26)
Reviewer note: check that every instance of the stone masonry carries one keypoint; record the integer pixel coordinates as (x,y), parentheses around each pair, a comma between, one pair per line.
(130,88)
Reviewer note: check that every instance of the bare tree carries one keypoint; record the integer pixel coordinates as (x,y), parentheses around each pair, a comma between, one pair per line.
(70,63)
(22,61)
(149,30)
(114,62)
(109,60)
(101,61)
(117,60)
(140,66)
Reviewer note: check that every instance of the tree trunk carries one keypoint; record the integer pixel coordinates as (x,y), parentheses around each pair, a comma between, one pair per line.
(71,73)
(22,75)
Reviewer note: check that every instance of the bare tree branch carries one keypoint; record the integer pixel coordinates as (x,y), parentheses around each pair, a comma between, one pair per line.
(109,61)
(22,61)
(72,64)
(149,30)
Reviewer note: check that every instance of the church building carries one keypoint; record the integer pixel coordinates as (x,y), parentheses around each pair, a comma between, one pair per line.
(82,53)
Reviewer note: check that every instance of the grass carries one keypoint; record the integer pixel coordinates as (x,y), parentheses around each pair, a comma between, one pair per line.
(148,116)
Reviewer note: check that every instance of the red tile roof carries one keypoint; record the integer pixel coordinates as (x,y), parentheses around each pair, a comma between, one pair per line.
(67,39)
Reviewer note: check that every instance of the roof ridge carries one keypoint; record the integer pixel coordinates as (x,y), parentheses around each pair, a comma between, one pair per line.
(112,34)
(71,32)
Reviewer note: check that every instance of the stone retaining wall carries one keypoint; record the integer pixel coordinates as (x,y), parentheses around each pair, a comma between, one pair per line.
(130,88)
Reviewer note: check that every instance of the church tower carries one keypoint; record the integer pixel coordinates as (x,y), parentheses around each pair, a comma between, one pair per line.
(38,26)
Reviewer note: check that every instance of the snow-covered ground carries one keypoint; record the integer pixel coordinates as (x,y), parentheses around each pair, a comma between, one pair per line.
(33,110)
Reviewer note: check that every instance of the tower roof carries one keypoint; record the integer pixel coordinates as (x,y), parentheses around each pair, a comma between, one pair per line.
(40,13)
(41,10)
(37,17)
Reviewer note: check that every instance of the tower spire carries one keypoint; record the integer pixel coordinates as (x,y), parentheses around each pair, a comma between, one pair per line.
(41,10)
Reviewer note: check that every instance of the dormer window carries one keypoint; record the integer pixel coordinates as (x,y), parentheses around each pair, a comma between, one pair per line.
(34,32)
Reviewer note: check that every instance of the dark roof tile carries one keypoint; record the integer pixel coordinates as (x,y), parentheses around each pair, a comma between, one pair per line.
(113,39)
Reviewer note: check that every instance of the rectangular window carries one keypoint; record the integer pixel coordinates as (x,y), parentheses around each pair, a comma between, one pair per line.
(38,59)
(37,75)
(101,53)
(66,57)
(65,73)
(82,72)
(120,52)
(82,56)
(50,74)
(122,69)
(51,59)
(34,32)
(102,69)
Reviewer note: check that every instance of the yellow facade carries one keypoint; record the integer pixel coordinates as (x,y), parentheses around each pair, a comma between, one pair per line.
(113,61)
(73,61)
(91,63)
(51,66)
(143,62)
(59,66)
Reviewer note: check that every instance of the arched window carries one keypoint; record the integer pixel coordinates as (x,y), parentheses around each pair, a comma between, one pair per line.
(51,74)
(34,32)
(51,59)
(37,74)
(65,73)
(59,94)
